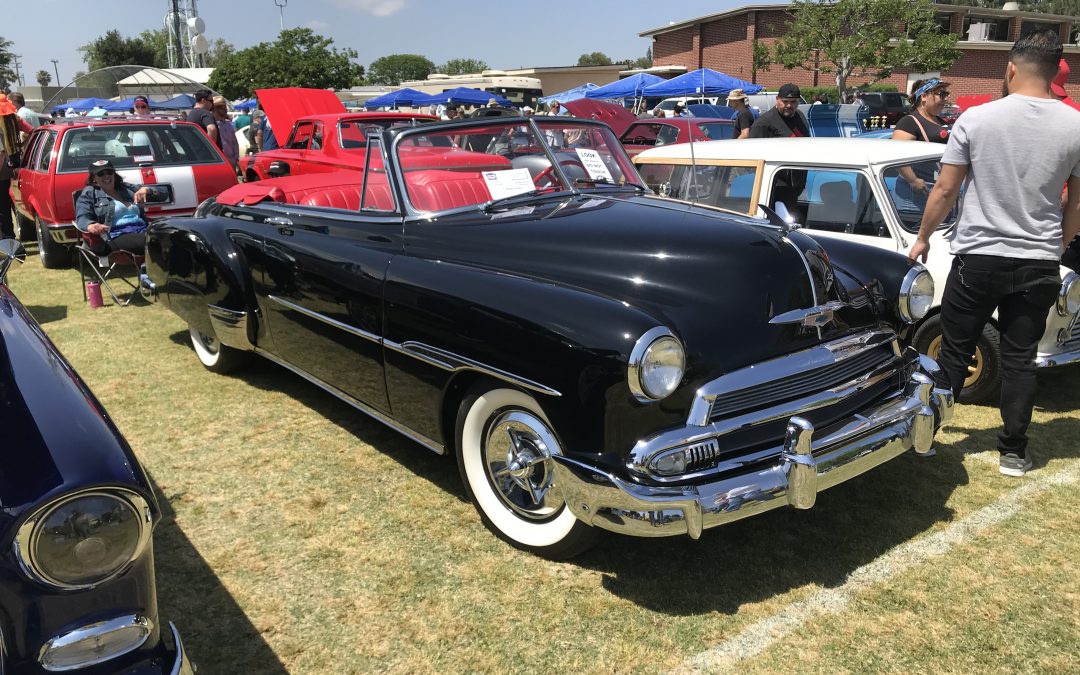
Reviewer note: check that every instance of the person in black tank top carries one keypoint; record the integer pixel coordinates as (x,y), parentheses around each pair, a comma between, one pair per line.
(928,98)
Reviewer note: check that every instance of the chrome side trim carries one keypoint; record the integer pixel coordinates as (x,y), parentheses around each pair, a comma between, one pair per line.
(182,665)
(230,327)
(96,631)
(423,440)
(359,332)
(1054,360)
(818,356)
(449,361)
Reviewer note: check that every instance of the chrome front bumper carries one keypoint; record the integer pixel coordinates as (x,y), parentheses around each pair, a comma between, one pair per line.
(1053,360)
(806,466)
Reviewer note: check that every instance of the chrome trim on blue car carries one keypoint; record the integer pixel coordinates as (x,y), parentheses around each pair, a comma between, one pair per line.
(359,332)
(95,633)
(440,358)
(230,327)
(182,665)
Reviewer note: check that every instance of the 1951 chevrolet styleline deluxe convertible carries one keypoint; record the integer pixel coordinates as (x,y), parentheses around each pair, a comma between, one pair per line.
(77,588)
(505,290)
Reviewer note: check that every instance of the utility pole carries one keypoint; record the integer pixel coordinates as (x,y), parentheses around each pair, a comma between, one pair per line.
(281,8)
(18,67)
(56,69)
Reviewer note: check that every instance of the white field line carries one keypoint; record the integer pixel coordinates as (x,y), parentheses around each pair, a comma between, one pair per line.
(761,635)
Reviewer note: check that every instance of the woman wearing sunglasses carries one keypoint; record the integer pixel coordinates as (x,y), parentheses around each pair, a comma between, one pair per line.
(112,210)
(928,99)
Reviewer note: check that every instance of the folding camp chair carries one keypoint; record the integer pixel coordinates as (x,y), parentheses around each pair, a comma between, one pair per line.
(106,268)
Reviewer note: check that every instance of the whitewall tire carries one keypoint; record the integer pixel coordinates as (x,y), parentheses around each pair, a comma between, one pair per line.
(213,355)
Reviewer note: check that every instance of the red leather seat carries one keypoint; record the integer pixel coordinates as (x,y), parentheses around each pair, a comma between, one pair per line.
(347,197)
(439,189)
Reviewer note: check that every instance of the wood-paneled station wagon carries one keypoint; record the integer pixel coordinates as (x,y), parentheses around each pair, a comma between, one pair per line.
(505,290)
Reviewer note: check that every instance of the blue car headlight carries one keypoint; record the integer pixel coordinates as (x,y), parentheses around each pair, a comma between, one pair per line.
(916,294)
(84,539)
(657,364)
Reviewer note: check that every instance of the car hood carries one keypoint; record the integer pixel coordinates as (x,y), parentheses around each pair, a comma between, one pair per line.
(286,105)
(55,436)
(716,280)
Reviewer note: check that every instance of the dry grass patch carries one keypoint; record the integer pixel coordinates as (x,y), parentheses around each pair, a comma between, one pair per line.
(301,537)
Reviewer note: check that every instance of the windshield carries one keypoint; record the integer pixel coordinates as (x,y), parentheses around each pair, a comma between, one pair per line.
(127,146)
(909,185)
(353,133)
(456,166)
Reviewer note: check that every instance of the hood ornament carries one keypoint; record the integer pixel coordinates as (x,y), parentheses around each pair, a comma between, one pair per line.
(810,317)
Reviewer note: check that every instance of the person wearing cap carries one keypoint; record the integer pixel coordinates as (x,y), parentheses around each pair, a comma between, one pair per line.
(783,120)
(493,103)
(555,109)
(142,105)
(1057,87)
(203,113)
(928,99)
(744,117)
(680,110)
(1011,157)
(111,209)
(527,111)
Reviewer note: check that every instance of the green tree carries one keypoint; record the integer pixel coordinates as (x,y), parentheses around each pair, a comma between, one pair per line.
(218,52)
(7,60)
(594,59)
(397,68)
(157,41)
(462,66)
(112,49)
(863,39)
(44,77)
(1065,7)
(298,58)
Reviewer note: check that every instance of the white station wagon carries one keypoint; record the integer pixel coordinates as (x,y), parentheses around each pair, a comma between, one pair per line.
(853,189)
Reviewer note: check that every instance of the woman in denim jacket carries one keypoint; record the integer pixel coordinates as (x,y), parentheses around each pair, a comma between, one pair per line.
(111,209)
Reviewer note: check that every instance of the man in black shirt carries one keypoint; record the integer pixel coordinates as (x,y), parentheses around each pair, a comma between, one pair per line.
(784,120)
(203,115)
(744,118)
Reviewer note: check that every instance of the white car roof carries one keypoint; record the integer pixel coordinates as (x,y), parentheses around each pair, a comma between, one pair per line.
(823,151)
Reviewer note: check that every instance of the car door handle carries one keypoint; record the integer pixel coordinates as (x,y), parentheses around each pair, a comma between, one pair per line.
(284,225)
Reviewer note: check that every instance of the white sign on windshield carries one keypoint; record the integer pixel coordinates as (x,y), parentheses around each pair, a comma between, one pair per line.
(508,183)
(594,165)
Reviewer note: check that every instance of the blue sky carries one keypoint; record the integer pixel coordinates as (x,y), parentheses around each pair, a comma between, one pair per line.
(511,34)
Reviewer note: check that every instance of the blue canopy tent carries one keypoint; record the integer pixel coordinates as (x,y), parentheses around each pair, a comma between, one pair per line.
(181,102)
(83,104)
(570,94)
(702,81)
(123,105)
(394,99)
(246,105)
(628,87)
(462,96)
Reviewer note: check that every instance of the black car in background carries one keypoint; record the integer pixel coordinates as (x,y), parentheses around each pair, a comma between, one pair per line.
(888,104)
(506,292)
(77,588)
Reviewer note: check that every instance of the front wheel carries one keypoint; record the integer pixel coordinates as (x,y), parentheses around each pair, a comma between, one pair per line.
(984,374)
(505,445)
(53,256)
(215,356)
(25,228)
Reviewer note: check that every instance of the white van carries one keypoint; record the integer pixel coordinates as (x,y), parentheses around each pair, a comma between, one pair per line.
(766,100)
(668,104)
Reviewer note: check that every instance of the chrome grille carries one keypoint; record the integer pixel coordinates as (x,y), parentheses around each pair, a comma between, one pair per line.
(1074,337)
(800,384)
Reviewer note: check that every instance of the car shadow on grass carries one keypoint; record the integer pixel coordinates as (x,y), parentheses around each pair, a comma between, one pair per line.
(439,470)
(44,314)
(213,627)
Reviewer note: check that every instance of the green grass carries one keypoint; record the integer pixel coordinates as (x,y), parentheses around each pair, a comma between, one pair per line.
(301,537)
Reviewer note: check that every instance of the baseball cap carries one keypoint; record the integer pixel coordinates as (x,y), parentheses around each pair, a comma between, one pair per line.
(789,90)
(526,109)
(142,99)
(1058,85)
(100,165)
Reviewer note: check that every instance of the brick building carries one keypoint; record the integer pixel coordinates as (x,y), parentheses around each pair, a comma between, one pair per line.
(724,41)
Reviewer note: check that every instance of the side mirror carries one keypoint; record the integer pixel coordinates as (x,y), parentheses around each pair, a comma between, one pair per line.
(279,169)
(10,250)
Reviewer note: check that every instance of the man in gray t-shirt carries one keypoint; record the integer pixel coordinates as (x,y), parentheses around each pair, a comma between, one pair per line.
(1013,156)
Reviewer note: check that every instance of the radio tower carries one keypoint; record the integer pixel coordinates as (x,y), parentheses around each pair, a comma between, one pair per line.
(187,44)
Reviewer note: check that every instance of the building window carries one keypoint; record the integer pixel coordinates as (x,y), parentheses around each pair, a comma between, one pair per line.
(1032,26)
(944,22)
(993,30)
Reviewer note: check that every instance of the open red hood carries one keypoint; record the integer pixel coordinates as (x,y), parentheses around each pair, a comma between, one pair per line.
(284,106)
(615,116)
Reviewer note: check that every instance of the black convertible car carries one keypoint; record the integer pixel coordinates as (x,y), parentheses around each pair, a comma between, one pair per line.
(77,589)
(505,290)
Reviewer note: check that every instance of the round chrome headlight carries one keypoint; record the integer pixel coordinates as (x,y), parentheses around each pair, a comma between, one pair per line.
(916,294)
(82,540)
(657,364)
(1068,302)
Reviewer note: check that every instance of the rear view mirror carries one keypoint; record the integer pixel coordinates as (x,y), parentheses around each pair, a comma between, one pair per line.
(159,194)
(10,250)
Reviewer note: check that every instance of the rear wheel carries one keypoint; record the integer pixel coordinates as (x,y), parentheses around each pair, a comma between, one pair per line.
(215,356)
(984,374)
(504,450)
(53,255)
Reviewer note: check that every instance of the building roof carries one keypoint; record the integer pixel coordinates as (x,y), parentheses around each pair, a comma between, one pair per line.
(965,9)
(168,76)
(813,151)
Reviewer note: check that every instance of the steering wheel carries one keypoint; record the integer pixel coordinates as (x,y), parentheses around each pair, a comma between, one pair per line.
(546,174)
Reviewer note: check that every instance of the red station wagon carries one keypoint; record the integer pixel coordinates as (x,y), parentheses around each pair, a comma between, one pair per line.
(178,157)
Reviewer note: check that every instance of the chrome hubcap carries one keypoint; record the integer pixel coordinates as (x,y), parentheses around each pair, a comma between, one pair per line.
(517,455)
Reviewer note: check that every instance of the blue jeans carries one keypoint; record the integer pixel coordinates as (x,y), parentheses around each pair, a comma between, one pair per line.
(1022,291)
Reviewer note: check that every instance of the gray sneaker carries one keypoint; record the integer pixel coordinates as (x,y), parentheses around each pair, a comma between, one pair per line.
(1012,465)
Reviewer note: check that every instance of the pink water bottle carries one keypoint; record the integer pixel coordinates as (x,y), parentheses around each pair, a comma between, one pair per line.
(93,293)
